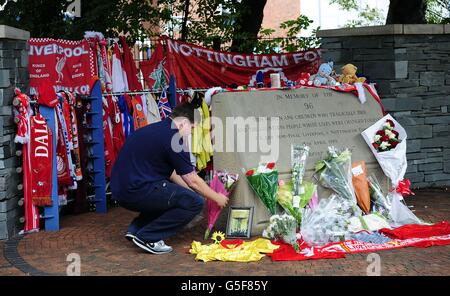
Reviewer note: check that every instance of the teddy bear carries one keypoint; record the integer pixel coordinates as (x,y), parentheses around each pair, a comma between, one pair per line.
(324,75)
(349,75)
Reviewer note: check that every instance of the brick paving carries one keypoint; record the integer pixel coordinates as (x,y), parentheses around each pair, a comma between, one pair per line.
(99,240)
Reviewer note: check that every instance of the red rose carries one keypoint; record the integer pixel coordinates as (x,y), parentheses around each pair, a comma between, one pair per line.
(250,172)
(375,145)
(381,133)
(394,144)
(391,123)
(384,139)
(270,165)
(395,133)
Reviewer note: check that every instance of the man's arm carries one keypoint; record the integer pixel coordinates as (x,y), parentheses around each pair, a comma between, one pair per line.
(175,178)
(199,186)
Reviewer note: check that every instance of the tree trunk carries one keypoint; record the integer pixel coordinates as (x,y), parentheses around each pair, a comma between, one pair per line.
(185,18)
(407,12)
(248,23)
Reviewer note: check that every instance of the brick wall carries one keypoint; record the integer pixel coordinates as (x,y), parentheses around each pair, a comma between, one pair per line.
(278,11)
(13,73)
(411,66)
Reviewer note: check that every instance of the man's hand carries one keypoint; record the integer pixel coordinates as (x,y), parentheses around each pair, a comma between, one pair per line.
(221,200)
(199,186)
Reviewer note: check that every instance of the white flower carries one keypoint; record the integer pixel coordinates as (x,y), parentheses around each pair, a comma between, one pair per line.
(384,145)
(387,125)
(273,218)
(388,132)
(377,138)
(391,136)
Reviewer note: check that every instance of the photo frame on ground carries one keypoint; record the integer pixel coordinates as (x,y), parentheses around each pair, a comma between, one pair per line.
(239,223)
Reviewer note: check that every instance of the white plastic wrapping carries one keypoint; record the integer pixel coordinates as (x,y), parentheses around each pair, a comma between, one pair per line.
(328,222)
(392,162)
(394,165)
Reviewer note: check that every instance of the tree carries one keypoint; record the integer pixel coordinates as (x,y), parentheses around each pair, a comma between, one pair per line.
(400,12)
(47,18)
(248,23)
(407,12)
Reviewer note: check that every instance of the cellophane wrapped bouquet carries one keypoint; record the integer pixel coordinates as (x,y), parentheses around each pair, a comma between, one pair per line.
(293,196)
(328,222)
(387,140)
(264,181)
(380,203)
(298,161)
(334,172)
(282,228)
(285,198)
(221,182)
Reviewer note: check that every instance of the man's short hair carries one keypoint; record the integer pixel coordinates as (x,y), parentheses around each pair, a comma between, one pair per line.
(187,110)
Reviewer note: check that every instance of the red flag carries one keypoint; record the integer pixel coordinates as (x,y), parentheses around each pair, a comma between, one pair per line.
(130,66)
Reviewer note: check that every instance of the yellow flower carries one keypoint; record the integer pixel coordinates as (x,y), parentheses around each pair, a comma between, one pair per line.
(217,237)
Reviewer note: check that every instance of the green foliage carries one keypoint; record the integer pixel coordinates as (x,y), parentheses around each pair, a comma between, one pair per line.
(208,22)
(290,43)
(46,18)
(367,17)
(438,12)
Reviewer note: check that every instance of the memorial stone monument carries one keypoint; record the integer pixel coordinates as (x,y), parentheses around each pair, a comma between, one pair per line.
(247,134)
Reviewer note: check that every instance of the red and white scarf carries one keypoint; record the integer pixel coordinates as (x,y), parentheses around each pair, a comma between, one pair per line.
(23,113)
(41,157)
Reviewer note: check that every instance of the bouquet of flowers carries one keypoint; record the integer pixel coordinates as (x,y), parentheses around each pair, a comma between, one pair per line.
(335,172)
(328,222)
(264,181)
(298,160)
(380,203)
(285,199)
(386,138)
(282,228)
(221,182)
(393,162)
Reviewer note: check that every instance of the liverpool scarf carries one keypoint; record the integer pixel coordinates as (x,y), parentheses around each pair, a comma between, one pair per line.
(41,161)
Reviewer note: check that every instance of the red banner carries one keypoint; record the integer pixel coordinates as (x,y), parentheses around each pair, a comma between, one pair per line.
(199,67)
(66,65)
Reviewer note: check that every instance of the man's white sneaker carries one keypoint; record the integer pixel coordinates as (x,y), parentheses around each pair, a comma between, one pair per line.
(129,236)
(155,248)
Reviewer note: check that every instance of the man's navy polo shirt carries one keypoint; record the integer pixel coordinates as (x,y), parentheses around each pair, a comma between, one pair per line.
(147,157)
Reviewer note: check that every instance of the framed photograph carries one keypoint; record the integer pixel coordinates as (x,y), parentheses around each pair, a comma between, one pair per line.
(239,224)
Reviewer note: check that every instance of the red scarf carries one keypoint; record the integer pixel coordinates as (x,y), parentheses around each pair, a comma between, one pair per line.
(22,111)
(109,147)
(116,119)
(62,161)
(41,161)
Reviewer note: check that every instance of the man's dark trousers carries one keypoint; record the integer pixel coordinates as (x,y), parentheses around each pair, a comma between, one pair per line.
(164,210)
